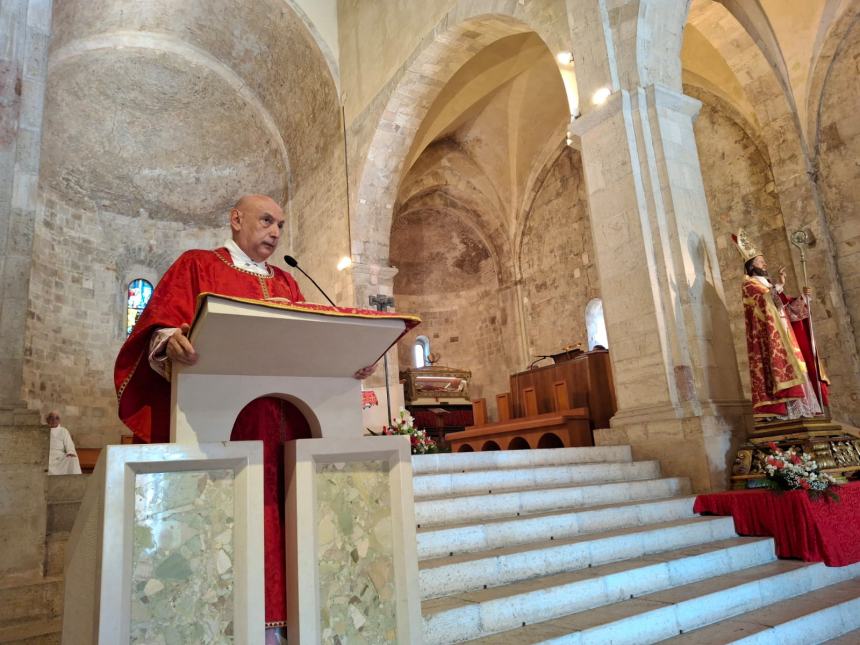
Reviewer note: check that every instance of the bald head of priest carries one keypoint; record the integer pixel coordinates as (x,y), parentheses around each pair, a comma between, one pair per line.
(257,222)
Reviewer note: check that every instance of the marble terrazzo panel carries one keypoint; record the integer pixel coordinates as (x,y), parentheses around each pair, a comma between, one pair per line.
(182,563)
(355,553)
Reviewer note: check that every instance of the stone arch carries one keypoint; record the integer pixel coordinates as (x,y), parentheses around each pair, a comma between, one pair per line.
(451,47)
(830,49)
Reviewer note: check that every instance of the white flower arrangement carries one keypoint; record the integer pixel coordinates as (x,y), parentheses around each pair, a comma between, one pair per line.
(404,424)
(791,469)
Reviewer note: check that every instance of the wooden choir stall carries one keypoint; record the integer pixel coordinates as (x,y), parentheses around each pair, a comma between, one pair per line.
(554,406)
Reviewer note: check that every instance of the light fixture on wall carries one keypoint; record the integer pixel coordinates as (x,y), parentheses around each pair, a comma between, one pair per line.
(345,263)
(564,58)
(600,96)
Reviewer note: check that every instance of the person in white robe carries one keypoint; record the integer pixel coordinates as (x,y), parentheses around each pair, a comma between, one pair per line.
(62,457)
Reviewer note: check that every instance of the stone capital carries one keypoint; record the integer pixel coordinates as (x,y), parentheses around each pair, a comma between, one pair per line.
(582,125)
(666,98)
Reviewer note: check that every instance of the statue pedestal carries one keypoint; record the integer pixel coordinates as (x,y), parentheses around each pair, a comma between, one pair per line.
(834,448)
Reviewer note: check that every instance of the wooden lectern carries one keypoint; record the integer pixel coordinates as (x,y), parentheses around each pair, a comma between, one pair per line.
(349,508)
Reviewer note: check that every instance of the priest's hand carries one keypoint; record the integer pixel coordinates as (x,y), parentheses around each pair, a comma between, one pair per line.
(807,291)
(179,348)
(364,372)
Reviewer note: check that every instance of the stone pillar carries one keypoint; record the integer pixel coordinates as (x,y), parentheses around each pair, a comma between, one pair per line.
(24,34)
(370,280)
(676,377)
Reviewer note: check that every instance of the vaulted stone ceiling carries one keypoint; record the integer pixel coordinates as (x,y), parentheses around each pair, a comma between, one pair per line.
(792,37)
(491,126)
(173,109)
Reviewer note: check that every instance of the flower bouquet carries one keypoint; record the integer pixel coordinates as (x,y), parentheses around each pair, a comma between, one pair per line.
(790,469)
(404,424)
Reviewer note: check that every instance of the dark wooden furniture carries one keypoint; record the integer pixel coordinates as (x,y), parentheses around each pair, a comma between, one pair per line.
(588,379)
(562,428)
(551,430)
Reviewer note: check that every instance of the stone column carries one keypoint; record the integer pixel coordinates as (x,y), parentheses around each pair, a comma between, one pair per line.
(370,280)
(676,377)
(24,34)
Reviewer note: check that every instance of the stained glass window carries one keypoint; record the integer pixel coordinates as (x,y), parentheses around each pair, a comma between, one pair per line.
(139,293)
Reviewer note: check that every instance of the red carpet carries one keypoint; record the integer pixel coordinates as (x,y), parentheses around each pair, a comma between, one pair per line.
(815,531)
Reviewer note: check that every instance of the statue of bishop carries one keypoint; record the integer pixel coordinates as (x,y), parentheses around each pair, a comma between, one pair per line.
(783,365)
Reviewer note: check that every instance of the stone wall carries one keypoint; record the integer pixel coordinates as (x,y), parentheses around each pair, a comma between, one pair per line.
(838,149)
(559,274)
(740,191)
(82,263)
(448,276)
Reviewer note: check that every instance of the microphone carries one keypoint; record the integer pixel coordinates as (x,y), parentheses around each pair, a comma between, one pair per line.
(289,259)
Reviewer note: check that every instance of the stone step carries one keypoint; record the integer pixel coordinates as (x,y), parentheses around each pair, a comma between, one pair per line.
(656,617)
(831,612)
(40,599)
(851,638)
(488,481)
(473,571)
(33,632)
(476,614)
(67,488)
(501,459)
(55,553)
(492,534)
(509,504)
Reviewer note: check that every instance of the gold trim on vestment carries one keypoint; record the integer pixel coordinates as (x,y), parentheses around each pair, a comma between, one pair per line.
(128,378)
(230,264)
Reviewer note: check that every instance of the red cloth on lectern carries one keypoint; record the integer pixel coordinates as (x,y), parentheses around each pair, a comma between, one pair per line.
(815,531)
(144,395)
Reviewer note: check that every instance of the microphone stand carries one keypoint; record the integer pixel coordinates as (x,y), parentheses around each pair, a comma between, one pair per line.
(290,260)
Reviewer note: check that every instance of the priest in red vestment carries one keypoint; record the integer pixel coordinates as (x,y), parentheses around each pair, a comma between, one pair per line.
(781,361)
(142,371)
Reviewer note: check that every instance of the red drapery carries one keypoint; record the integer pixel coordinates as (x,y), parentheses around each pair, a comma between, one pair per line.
(812,530)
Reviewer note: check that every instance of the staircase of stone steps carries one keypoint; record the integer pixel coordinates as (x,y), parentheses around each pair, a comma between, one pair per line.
(586,546)
(32,613)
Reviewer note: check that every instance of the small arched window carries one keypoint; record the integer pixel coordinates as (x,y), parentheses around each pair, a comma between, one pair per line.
(595,325)
(421,350)
(139,293)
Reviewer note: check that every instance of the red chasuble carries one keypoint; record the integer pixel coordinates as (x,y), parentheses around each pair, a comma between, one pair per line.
(777,370)
(144,395)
